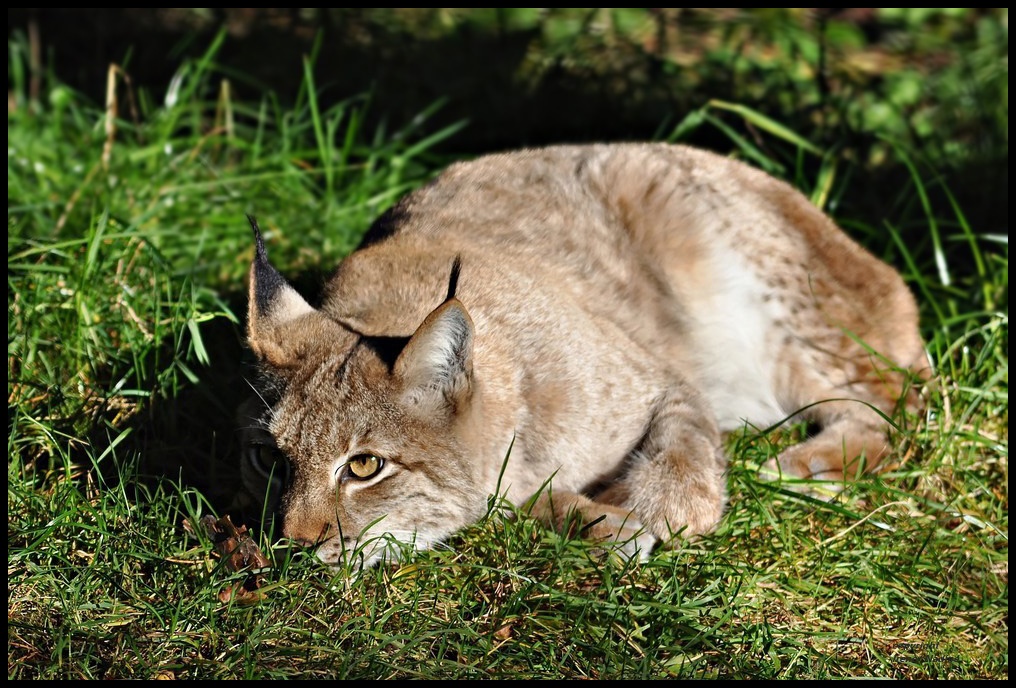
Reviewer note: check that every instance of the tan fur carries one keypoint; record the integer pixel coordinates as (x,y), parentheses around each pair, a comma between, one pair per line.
(619,307)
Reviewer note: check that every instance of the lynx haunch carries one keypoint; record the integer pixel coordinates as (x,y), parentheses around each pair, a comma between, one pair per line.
(579,324)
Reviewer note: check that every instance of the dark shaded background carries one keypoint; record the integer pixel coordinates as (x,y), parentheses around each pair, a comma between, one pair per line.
(476,72)
(518,84)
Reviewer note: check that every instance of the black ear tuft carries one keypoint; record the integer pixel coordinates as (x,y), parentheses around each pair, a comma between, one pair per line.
(267,280)
(258,239)
(453,279)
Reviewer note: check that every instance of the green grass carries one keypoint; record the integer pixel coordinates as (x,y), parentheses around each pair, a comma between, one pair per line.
(127,251)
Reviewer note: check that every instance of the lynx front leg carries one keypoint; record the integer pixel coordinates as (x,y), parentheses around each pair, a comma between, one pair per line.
(674,483)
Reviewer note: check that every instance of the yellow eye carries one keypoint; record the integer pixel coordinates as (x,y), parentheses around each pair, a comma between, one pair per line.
(364,466)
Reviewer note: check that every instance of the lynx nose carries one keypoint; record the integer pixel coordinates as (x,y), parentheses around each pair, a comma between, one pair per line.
(307,534)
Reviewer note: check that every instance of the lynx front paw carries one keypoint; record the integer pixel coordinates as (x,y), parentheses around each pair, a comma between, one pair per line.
(615,528)
(621,534)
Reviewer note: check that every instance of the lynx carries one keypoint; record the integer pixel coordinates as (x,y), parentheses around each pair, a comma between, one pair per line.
(574,328)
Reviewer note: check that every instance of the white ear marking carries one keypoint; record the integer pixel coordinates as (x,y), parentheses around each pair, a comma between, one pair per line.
(289,305)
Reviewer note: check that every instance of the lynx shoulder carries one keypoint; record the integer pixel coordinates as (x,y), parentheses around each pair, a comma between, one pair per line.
(611,312)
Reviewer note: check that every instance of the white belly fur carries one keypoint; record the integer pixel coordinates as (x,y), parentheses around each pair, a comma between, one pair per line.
(732,361)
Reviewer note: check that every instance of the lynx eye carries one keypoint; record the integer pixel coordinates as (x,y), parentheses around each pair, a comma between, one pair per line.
(268,461)
(364,466)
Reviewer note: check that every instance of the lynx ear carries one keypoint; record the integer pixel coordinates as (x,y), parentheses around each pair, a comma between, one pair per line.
(281,325)
(436,367)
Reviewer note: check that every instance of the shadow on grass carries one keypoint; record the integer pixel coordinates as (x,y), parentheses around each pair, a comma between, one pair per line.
(193,435)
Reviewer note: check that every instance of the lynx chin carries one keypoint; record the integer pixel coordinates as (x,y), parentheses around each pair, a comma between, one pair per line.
(589,320)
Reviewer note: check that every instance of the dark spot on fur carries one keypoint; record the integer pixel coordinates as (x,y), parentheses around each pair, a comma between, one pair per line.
(580,167)
(340,372)
(386,225)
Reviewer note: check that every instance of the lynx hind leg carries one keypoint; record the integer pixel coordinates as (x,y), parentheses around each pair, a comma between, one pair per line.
(853,439)
(822,464)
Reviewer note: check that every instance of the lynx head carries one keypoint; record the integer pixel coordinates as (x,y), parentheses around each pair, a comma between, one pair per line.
(364,437)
